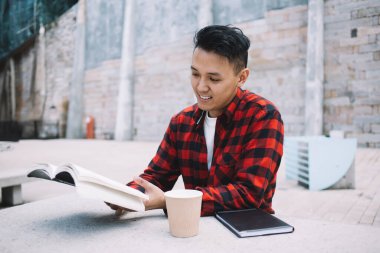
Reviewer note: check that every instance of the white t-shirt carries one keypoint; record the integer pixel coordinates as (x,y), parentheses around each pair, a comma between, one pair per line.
(209,130)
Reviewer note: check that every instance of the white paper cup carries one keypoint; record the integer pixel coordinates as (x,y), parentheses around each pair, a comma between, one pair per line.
(184,211)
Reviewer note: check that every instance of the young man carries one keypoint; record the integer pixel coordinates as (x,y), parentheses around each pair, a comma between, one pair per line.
(229,144)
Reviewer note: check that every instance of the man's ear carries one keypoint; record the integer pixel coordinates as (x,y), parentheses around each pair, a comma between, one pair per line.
(243,76)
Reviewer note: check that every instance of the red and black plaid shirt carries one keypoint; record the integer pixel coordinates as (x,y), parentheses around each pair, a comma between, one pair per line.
(247,154)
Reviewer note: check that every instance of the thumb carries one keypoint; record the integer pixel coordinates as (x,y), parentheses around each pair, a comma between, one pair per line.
(142,182)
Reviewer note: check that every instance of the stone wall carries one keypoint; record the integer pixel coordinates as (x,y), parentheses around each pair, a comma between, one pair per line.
(162,87)
(162,64)
(163,48)
(101,86)
(45,99)
(104,28)
(276,58)
(24,87)
(49,104)
(59,67)
(352,69)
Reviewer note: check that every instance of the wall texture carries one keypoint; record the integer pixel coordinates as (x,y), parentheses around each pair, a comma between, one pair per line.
(352,69)
(104,28)
(100,96)
(277,60)
(45,99)
(163,58)
(104,33)
(59,67)
(164,31)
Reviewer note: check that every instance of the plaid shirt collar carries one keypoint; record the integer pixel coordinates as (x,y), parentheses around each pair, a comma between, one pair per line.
(228,113)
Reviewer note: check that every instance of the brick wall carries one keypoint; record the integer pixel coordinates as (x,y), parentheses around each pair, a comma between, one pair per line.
(47,104)
(352,69)
(277,60)
(163,49)
(100,81)
(162,64)
(162,87)
(23,70)
(104,30)
(101,86)
(59,67)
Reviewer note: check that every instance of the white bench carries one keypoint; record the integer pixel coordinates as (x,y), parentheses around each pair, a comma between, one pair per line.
(10,184)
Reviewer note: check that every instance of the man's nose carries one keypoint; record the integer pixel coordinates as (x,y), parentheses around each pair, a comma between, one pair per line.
(202,85)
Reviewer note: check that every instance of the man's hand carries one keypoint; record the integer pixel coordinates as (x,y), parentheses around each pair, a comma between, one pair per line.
(156,198)
(119,211)
(156,195)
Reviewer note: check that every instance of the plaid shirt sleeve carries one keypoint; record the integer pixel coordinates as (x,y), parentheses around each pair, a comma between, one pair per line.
(163,169)
(255,178)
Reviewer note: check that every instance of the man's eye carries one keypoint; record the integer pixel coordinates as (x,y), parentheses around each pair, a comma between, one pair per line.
(195,74)
(214,80)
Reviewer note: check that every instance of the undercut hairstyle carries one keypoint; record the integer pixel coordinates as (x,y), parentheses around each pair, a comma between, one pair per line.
(226,41)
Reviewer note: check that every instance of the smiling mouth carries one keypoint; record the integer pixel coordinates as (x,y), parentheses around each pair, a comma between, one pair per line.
(205,97)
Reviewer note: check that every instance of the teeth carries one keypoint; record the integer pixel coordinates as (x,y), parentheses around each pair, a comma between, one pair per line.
(202,97)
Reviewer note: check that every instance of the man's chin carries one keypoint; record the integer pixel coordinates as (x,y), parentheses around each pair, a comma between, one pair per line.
(202,107)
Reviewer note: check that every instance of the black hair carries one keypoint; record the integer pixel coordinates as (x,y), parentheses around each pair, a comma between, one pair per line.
(226,41)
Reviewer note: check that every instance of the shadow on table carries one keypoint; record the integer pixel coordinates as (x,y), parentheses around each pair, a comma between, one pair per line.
(88,223)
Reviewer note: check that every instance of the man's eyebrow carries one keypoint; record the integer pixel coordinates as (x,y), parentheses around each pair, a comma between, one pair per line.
(210,73)
(214,73)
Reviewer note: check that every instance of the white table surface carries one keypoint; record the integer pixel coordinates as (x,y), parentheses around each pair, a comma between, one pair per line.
(71,224)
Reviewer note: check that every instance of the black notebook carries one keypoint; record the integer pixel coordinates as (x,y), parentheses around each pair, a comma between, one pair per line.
(252,222)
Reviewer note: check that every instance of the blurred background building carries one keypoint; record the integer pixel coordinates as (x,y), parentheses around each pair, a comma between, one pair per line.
(127,63)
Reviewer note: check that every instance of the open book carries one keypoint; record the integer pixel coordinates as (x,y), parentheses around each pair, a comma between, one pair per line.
(91,185)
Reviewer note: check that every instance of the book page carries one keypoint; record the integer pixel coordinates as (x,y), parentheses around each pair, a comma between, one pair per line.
(43,170)
(82,174)
(110,195)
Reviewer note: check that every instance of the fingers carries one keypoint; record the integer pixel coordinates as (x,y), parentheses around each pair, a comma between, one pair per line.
(142,182)
(156,195)
(119,212)
(148,186)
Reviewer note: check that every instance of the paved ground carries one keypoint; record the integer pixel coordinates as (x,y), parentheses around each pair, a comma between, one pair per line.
(123,160)
(359,206)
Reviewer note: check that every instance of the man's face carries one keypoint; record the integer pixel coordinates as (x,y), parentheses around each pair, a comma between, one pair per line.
(214,81)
